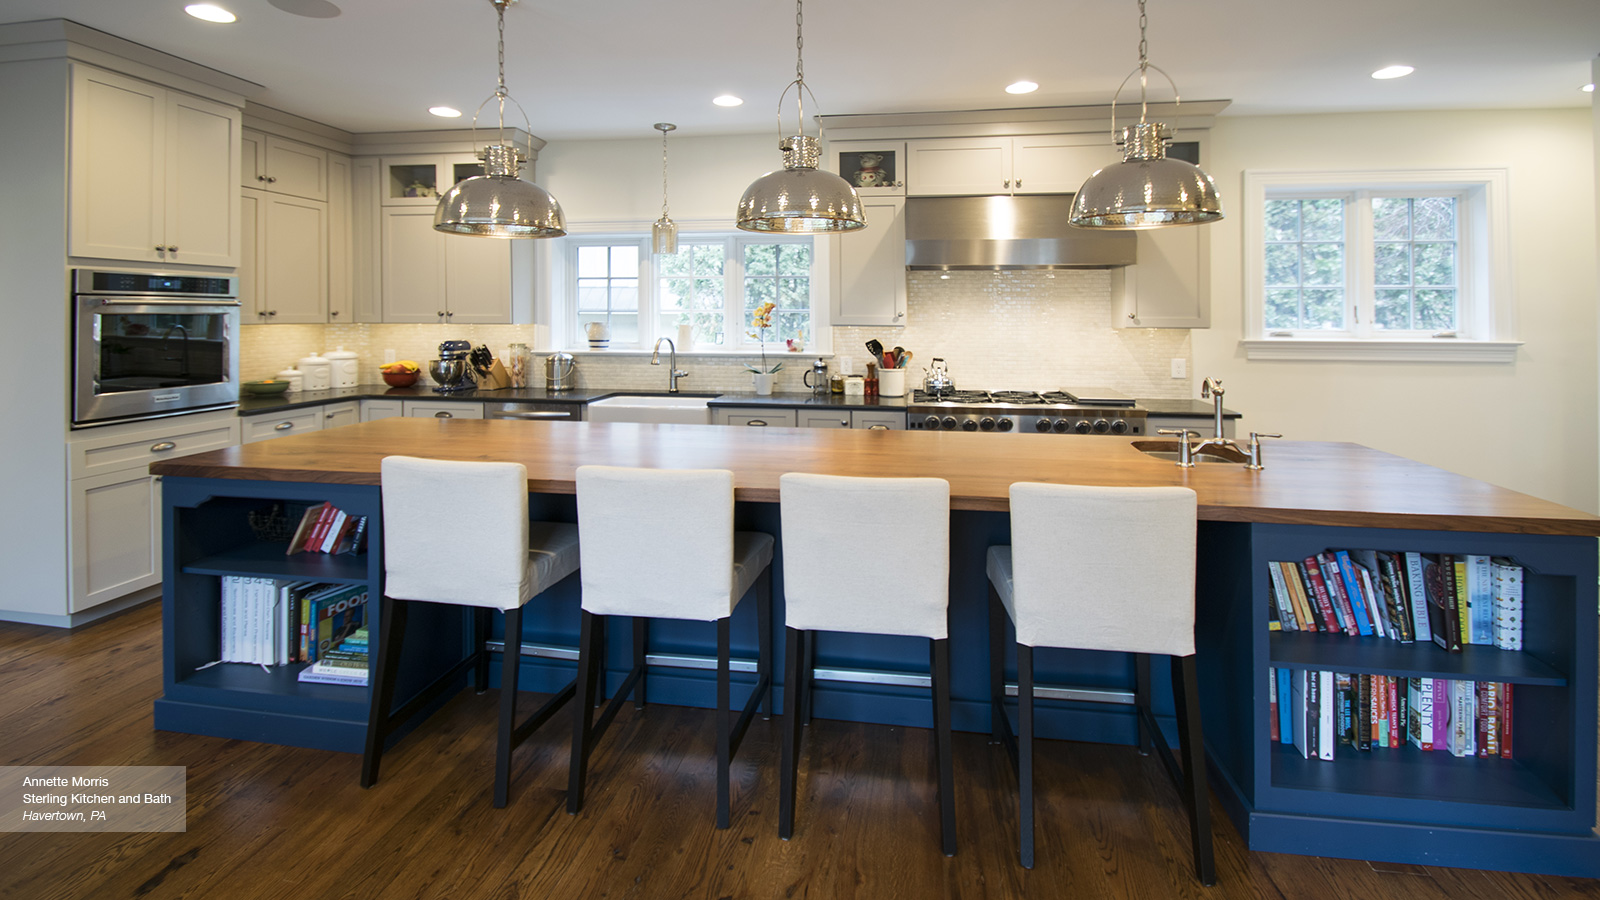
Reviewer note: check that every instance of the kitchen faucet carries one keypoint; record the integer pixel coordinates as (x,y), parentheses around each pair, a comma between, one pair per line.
(1211,389)
(673,372)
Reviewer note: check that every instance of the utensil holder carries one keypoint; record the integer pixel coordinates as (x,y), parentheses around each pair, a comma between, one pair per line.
(891,382)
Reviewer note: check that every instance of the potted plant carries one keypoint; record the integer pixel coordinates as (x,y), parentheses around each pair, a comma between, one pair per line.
(764,375)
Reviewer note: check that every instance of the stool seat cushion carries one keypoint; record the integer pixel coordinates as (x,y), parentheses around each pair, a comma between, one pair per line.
(458,532)
(1099,568)
(866,555)
(659,543)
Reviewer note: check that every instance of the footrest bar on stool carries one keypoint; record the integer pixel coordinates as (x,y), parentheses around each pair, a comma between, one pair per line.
(615,704)
(543,713)
(430,693)
(763,684)
(1163,749)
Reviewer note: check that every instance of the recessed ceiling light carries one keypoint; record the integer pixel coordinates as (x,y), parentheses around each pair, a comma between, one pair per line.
(1393,72)
(1588,88)
(1021,87)
(445,112)
(210,12)
(727,100)
(311,9)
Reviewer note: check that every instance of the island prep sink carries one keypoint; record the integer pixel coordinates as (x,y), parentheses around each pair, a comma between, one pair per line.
(1168,450)
(656,409)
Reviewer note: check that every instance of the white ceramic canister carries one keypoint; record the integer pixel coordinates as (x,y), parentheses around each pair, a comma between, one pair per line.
(346,367)
(317,372)
(295,378)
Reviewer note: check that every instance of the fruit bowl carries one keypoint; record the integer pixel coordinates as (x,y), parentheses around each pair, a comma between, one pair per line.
(265,387)
(399,378)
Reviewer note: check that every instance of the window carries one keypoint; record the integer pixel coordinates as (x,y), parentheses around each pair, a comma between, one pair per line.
(712,284)
(1377,265)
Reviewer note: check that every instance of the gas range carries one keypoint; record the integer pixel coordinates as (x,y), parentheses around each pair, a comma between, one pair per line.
(1026,412)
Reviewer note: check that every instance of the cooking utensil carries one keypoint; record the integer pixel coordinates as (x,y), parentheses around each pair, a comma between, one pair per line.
(876,349)
(482,360)
(938,380)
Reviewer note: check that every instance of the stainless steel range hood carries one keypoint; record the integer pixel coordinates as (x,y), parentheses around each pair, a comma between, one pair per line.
(1030,232)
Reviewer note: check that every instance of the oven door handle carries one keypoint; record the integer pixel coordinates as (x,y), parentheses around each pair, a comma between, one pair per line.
(162,301)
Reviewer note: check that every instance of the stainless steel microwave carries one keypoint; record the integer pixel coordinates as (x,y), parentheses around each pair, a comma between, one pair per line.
(148,345)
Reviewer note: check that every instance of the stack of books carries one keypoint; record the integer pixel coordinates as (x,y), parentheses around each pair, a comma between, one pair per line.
(325,528)
(1319,711)
(1453,600)
(275,622)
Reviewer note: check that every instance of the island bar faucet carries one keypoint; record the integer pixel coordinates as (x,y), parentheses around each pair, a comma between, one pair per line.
(673,372)
(1211,389)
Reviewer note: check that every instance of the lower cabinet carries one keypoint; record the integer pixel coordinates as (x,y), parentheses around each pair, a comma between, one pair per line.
(442,409)
(373,410)
(759,418)
(114,503)
(346,413)
(881,419)
(267,426)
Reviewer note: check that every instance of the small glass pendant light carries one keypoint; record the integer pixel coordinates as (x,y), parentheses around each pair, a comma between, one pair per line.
(664,233)
(1147,189)
(800,198)
(498,203)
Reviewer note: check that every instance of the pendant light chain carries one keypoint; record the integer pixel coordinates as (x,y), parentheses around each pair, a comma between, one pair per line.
(663,173)
(799,64)
(1144,63)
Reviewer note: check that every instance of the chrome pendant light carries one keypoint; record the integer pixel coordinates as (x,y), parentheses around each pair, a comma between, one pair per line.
(664,233)
(498,203)
(800,198)
(1147,189)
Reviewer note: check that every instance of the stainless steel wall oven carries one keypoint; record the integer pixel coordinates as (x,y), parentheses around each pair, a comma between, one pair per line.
(147,345)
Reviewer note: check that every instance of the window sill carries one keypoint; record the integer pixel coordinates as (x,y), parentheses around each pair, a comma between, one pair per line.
(618,352)
(1452,350)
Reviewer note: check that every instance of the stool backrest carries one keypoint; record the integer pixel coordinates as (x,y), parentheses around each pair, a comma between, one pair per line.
(456,532)
(868,555)
(1104,568)
(656,542)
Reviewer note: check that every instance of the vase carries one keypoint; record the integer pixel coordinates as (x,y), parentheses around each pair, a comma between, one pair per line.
(764,382)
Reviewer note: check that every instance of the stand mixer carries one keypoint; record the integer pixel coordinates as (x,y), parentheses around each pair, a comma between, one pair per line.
(451,371)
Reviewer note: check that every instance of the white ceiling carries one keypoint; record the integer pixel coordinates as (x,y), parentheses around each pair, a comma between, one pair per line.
(611,68)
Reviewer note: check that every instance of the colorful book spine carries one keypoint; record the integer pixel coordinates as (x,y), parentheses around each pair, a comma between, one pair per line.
(1505,721)
(1393,585)
(1440,587)
(1507,604)
(1274,724)
(1287,615)
(1458,569)
(1417,591)
(1348,588)
(1297,592)
(1420,725)
(1480,598)
(1319,590)
(1286,706)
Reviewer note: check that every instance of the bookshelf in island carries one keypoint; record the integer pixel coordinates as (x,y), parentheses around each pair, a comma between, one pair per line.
(1534,811)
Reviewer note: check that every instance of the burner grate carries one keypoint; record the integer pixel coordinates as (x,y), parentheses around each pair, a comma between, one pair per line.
(1020,397)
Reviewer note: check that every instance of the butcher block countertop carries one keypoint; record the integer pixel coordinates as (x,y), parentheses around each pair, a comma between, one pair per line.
(1304,482)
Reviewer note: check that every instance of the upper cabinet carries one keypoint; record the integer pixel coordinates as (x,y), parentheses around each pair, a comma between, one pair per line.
(1031,164)
(869,267)
(1170,286)
(153,173)
(419,180)
(873,168)
(283,278)
(282,166)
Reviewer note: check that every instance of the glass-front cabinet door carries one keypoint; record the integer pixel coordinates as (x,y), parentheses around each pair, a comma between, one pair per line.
(874,168)
(419,180)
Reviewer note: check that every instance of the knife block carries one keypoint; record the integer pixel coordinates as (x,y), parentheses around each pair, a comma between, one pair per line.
(497,379)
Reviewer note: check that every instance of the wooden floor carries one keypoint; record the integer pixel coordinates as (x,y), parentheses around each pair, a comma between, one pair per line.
(277,822)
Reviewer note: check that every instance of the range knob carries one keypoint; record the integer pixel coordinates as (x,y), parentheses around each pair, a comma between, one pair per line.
(1120,426)
(1042,425)
(948,423)
(1062,425)
(986,423)
(1004,424)
(969,425)
(1082,427)
(1101,426)
(931,422)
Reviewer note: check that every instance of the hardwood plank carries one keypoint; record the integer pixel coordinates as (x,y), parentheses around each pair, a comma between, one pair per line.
(1304,482)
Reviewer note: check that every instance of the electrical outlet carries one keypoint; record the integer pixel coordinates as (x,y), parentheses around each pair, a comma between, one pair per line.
(1180,367)
(388,355)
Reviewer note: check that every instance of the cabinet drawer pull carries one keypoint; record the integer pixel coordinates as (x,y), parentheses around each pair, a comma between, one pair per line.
(877,428)
(441,414)
(163,446)
(756,422)
(537,414)
(329,415)
(283,426)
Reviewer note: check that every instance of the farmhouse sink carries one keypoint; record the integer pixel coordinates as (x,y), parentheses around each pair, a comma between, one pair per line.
(1168,450)
(657,409)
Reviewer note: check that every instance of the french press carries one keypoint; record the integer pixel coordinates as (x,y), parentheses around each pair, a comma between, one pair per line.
(817,378)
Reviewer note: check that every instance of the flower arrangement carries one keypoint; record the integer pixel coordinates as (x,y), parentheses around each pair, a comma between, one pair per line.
(761,320)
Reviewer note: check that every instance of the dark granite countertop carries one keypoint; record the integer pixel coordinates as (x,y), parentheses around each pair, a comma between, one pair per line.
(1183,408)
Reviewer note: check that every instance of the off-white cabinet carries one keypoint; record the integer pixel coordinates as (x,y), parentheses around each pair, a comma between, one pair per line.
(153,173)
(442,409)
(266,426)
(1031,164)
(114,503)
(341,297)
(372,410)
(873,168)
(760,418)
(283,271)
(891,420)
(347,412)
(869,270)
(282,166)
(1170,286)
(432,277)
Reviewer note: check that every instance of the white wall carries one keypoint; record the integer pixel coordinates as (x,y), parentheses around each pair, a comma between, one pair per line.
(1531,425)
(620,180)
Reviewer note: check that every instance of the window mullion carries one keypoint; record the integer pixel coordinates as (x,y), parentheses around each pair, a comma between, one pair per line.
(733,292)
(1362,275)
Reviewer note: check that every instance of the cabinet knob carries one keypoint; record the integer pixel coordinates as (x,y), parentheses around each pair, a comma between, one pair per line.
(173,249)
(333,312)
(1019,184)
(261,178)
(161,248)
(441,314)
(441,414)
(1007,184)
(283,426)
(272,179)
(262,314)
(900,315)
(163,446)
(272,312)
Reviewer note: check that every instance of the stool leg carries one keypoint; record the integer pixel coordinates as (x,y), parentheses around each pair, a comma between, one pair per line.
(997,667)
(480,639)
(724,725)
(1025,749)
(764,639)
(583,710)
(793,652)
(1141,699)
(940,665)
(391,632)
(1191,746)
(510,664)
(641,641)
(808,665)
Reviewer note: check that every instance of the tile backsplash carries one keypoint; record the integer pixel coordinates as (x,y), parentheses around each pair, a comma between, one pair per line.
(1008,330)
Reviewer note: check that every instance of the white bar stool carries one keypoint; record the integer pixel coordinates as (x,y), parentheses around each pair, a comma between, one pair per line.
(1064,582)
(458,533)
(660,544)
(867,556)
